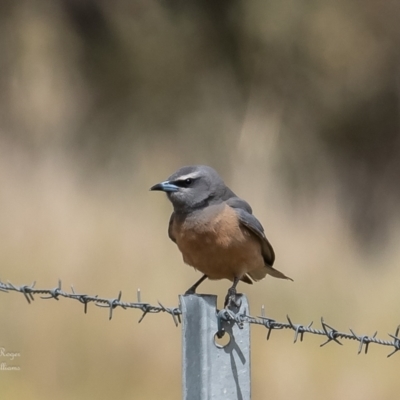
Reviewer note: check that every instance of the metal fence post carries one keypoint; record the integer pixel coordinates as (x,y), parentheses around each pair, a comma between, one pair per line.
(211,372)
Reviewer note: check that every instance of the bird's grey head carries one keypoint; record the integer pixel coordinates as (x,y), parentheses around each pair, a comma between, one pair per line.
(193,187)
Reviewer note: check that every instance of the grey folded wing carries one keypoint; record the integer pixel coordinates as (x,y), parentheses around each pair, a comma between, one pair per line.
(247,219)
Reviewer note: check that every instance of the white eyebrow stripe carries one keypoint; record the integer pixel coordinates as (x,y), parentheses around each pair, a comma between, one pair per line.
(188,176)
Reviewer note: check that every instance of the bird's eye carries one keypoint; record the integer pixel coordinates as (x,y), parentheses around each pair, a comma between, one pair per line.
(188,181)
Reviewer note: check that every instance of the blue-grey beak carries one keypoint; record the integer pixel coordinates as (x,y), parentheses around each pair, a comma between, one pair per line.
(165,186)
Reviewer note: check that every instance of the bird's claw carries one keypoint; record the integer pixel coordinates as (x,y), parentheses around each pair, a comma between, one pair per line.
(230,300)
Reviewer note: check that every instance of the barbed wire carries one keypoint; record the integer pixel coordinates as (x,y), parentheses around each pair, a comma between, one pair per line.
(29,291)
(331,334)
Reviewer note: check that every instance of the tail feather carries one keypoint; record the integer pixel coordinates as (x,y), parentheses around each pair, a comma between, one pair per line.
(260,273)
(276,274)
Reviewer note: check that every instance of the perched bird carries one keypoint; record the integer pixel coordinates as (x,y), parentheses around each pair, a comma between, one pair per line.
(215,230)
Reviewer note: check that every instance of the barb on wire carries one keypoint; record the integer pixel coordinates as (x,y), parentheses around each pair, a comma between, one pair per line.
(331,334)
(29,291)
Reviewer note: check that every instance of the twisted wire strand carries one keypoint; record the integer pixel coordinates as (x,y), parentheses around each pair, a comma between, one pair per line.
(225,315)
(29,291)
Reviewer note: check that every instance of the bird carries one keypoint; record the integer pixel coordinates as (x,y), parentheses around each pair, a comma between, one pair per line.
(215,230)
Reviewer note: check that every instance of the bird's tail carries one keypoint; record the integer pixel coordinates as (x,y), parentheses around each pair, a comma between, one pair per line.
(260,273)
(276,274)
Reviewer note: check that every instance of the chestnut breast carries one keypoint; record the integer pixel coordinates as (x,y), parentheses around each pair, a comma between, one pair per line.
(213,241)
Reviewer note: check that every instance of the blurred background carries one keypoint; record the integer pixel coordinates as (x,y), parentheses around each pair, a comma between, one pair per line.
(295,103)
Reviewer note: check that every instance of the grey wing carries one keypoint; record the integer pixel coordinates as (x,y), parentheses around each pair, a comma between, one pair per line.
(247,219)
(240,204)
(170,234)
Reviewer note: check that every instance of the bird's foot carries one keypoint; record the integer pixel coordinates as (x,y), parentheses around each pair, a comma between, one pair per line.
(230,299)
